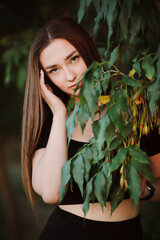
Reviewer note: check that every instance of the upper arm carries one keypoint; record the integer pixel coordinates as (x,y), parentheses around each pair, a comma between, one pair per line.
(35,160)
(155,166)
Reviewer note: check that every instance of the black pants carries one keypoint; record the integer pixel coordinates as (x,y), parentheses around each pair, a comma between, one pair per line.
(63,225)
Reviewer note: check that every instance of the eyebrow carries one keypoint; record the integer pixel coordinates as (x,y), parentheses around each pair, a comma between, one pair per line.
(66,58)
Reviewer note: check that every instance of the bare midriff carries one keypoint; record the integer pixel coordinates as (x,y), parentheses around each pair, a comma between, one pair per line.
(123,212)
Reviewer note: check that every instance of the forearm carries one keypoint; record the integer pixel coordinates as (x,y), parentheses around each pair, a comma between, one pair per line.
(46,177)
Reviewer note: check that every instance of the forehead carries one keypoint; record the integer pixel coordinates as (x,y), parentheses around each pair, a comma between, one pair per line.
(56,52)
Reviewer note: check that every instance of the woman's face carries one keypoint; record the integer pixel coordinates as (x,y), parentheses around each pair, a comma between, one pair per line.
(63,65)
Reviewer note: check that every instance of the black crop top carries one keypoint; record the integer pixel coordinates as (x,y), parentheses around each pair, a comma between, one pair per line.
(150,144)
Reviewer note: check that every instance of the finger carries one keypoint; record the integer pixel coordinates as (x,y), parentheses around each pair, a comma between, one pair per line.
(42,82)
(46,90)
(41,77)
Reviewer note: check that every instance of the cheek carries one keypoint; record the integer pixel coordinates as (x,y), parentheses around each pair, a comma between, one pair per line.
(57,82)
(83,68)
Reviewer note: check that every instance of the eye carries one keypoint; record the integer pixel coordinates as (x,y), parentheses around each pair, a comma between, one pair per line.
(54,70)
(75,58)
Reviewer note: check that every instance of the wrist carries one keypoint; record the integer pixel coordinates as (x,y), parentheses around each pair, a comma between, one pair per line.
(150,189)
(60,116)
(60,112)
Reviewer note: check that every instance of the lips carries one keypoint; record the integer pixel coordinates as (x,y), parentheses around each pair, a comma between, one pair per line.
(74,85)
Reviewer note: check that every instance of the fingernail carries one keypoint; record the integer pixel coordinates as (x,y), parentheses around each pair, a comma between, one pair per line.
(41,71)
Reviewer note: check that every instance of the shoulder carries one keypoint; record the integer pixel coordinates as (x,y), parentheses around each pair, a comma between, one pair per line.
(44,135)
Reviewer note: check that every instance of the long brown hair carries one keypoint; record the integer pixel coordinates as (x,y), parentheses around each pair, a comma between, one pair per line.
(34,109)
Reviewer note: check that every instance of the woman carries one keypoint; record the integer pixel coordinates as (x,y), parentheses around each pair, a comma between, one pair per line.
(61,52)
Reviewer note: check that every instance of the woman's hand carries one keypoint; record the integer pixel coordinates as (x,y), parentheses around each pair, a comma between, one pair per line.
(56,105)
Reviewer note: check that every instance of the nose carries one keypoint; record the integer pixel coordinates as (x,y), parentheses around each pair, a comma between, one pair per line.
(70,74)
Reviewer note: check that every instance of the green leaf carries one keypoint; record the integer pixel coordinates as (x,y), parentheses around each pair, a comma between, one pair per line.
(117,106)
(135,24)
(119,101)
(105,170)
(87,158)
(81,10)
(97,156)
(137,67)
(82,99)
(71,123)
(114,55)
(148,67)
(157,57)
(111,16)
(98,72)
(78,172)
(127,128)
(89,2)
(115,115)
(123,20)
(101,13)
(121,98)
(116,197)
(118,159)
(88,197)
(66,175)
(154,96)
(110,133)
(154,89)
(106,80)
(94,147)
(97,20)
(91,96)
(101,49)
(134,183)
(96,128)
(83,117)
(144,170)
(115,85)
(115,143)
(94,152)
(102,185)
(100,132)
(97,5)
(137,154)
(130,81)
(71,103)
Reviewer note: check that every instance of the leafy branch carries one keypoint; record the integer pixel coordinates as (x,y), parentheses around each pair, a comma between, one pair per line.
(112,163)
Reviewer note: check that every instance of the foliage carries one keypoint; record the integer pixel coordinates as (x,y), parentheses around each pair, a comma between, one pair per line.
(112,163)
(131,26)
(14,56)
